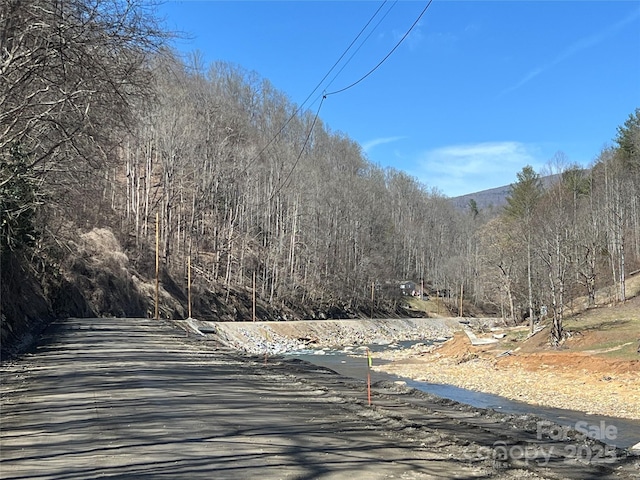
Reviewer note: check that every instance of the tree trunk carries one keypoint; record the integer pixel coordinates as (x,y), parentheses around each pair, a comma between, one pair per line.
(529,284)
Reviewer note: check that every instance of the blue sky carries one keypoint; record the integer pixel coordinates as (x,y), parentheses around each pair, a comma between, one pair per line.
(478,90)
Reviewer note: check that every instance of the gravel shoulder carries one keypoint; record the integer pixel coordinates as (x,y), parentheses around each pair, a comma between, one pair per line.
(130,398)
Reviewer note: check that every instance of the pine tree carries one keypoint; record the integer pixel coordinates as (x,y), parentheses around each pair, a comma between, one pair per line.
(521,204)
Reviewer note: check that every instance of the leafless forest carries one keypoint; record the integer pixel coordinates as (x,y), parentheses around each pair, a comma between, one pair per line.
(103,126)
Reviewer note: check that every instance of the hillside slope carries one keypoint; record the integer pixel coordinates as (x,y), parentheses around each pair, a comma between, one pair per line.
(95,277)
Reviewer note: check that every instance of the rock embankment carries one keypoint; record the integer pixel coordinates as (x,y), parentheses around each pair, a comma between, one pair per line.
(280,337)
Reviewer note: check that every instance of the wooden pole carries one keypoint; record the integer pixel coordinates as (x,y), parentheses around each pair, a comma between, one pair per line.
(369,363)
(254,295)
(157,313)
(189,282)
(372,298)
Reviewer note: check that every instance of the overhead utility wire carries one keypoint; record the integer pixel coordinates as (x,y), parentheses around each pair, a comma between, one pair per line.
(277,134)
(361,45)
(385,58)
(295,164)
(324,96)
(349,48)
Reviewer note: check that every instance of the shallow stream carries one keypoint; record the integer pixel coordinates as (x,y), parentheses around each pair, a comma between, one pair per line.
(352,363)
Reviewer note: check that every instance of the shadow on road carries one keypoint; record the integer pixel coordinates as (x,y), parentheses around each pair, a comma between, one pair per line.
(129,398)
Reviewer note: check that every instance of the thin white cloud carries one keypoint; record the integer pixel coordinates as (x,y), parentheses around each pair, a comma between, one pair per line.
(414,39)
(461,169)
(435,41)
(368,146)
(575,48)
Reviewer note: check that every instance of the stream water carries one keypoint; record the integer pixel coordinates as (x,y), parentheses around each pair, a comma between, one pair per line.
(352,363)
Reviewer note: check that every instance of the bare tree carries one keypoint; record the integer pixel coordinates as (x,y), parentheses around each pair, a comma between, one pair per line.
(502,255)
(69,75)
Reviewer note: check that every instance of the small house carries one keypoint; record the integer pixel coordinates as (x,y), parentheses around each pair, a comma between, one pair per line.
(407,288)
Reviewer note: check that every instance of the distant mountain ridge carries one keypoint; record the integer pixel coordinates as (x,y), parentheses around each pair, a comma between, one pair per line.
(494,197)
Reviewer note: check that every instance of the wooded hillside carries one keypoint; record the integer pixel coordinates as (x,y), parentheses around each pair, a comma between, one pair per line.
(103,127)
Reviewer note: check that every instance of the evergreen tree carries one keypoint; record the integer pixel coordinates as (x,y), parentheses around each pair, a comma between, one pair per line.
(18,201)
(628,140)
(521,204)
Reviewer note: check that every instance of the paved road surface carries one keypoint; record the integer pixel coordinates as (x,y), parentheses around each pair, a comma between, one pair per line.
(135,398)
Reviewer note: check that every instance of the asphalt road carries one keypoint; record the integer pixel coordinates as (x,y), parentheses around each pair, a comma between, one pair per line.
(136,398)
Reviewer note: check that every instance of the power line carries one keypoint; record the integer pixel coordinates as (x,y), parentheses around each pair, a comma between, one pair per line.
(362,44)
(386,57)
(295,164)
(351,45)
(325,95)
(293,115)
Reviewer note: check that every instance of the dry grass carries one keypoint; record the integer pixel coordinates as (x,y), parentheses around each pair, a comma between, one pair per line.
(102,247)
(434,306)
(610,330)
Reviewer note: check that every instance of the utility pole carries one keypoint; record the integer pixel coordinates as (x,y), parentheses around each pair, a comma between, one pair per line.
(254,295)
(372,298)
(157,314)
(189,282)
